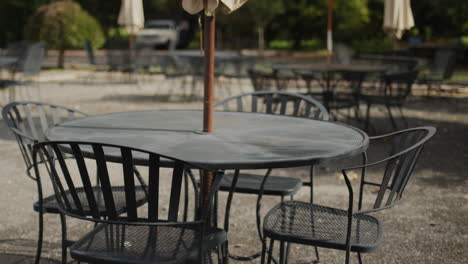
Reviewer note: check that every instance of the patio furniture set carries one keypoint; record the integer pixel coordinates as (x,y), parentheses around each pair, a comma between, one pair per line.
(133,175)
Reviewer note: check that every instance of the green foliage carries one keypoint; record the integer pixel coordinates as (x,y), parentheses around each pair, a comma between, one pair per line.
(63,25)
(373,45)
(263,11)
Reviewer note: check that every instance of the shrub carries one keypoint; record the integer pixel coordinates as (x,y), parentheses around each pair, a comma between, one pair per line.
(63,25)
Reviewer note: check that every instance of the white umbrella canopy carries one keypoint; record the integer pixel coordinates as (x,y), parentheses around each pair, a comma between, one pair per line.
(398,17)
(131,16)
(227,6)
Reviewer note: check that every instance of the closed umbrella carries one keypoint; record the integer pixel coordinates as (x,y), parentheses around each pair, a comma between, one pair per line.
(398,17)
(131,17)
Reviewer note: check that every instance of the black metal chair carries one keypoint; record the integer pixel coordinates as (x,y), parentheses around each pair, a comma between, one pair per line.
(29,122)
(392,93)
(156,235)
(442,69)
(349,230)
(275,103)
(29,64)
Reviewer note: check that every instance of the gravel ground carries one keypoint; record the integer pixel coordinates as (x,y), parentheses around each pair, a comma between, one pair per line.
(429,226)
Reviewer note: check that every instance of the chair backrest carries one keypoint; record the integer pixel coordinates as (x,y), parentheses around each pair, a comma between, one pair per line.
(89,51)
(115,167)
(397,167)
(341,54)
(276,103)
(29,122)
(444,63)
(16,49)
(34,57)
(398,85)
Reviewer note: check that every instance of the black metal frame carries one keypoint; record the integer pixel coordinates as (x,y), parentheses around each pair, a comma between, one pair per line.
(399,165)
(275,102)
(69,204)
(27,134)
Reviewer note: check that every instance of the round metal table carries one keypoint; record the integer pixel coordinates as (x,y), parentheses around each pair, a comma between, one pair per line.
(239,140)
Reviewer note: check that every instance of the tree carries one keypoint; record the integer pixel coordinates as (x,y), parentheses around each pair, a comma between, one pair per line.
(263,12)
(63,25)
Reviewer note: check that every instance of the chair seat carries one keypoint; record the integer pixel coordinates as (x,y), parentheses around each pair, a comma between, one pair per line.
(50,204)
(316,225)
(112,243)
(250,184)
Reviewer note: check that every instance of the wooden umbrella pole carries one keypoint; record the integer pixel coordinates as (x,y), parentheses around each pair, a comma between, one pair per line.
(209,48)
(330,31)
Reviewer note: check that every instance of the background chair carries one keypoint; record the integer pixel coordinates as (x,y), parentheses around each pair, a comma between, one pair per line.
(29,65)
(442,68)
(29,121)
(341,54)
(349,230)
(392,93)
(156,235)
(275,103)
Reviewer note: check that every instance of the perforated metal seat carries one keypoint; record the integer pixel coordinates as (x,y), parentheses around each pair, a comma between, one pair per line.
(112,243)
(348,230)
(50,204)
(250,184)
(316,225)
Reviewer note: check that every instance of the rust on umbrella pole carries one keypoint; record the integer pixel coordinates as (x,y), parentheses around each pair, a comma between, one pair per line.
(209,47)
(330,31)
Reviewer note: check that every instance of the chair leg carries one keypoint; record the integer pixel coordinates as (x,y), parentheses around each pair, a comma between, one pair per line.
(403,117)
(367,117)
(359,257)
(262,259)
(64,238)
(389,110)
(312,176)
(282,259)
(39,237)
(270,251)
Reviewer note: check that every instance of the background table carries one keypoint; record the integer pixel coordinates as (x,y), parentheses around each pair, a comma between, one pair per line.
(239,140)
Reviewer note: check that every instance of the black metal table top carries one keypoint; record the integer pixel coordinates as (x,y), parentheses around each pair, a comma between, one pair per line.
(239,140)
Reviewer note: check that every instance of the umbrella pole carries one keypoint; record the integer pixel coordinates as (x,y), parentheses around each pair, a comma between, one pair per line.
(209,48)
(330,31)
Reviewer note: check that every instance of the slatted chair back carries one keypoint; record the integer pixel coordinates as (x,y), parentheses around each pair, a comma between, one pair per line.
(397,167)
(444,63)
(115,165)
(398,85)
(29,121)
(275,103)
(34,57)
(89,51)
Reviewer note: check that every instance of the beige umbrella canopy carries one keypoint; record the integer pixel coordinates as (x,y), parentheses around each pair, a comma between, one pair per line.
(398,17)
(227,6)
(131,16)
